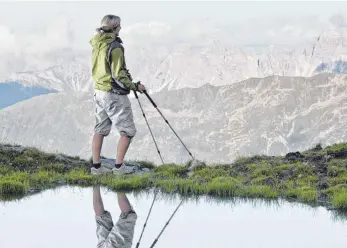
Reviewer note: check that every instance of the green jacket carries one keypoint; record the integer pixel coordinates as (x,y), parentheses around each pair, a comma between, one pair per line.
(118,78)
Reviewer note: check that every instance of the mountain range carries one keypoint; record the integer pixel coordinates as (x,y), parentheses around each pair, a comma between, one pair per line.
(271,115)
(182,65)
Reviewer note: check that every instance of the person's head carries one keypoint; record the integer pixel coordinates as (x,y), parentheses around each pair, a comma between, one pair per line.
(110,24)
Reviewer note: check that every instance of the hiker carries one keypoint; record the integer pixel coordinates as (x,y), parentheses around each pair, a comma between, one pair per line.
(112,84)
(109,235)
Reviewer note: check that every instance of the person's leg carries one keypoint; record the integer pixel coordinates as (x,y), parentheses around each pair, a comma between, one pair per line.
(97,201)
(103,218)
(121,115)
(123,203)
(122,233)
(96,147)
(102,128)
(123,145)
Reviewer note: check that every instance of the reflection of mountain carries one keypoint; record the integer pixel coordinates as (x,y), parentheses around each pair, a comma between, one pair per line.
(272,115)
(335,67)
(12,93)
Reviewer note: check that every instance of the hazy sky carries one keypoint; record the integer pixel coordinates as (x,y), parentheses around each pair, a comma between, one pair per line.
(34,35)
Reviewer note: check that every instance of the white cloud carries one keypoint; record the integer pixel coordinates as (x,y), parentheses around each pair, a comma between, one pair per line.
(7,39)
(292,29)
(155,29)
(270,32)
(38,50)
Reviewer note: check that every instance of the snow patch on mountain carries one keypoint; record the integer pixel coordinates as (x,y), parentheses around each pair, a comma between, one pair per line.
(73,76)
(212,61)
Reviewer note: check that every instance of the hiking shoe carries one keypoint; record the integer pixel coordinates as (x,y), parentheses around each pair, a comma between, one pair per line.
(102,170)
(123,170)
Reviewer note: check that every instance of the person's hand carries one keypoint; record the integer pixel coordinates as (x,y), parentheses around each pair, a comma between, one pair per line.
(140,87)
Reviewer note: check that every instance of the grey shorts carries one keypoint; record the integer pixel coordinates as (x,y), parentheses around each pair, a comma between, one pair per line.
(111,108)
(115,236)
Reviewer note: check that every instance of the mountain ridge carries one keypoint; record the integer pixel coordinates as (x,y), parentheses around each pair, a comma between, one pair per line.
(271,116)
(183,65)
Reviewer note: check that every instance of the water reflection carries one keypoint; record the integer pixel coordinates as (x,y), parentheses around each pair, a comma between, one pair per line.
(121,233)
(64,218)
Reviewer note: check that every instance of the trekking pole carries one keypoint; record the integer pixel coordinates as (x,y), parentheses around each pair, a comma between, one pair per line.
(143,113)
(155,195)
(144,225)
(167,122)
(167,223)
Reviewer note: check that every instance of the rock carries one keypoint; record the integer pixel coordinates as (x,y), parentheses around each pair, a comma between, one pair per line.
(33,190)
(18,149)
(108,162)
(293,156)
(60,157)
(270,181)
(287,173)
(318,147)
(328,157)
(138,170)
(315,158)
(322,168)
(322,198)
(323,183)
(338,154)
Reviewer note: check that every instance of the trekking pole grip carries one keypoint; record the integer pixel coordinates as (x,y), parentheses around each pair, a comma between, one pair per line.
(149,98)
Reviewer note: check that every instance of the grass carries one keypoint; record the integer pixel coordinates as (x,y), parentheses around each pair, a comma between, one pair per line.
(317,177)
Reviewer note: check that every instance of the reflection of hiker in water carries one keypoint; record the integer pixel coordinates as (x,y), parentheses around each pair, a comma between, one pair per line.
(113,83)
(109,235)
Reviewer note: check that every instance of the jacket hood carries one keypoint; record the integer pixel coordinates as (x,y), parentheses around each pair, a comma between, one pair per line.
(101,40)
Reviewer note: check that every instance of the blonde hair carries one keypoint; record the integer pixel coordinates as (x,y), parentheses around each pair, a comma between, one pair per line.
(110,23)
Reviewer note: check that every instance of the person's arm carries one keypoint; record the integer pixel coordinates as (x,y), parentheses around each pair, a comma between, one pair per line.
(118,71)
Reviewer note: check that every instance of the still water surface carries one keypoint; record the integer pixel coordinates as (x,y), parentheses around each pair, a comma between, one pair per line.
(64,218)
